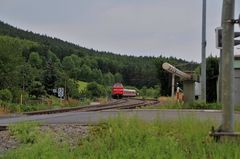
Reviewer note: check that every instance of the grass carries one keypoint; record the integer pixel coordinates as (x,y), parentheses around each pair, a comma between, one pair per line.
(171,103)
(123,138)
(49,103)
(82,85)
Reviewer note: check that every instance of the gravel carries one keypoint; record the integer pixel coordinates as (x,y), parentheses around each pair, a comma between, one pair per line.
(7,141)
(69,133)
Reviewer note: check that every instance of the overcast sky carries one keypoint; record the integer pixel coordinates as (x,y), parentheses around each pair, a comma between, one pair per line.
(133,27)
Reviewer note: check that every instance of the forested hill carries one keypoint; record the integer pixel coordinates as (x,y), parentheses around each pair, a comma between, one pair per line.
(41,62)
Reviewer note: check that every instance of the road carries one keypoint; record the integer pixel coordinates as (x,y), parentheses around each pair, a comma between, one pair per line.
(95,117)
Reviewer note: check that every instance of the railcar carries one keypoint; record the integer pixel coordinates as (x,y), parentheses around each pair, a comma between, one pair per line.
(129,93)
(118,91)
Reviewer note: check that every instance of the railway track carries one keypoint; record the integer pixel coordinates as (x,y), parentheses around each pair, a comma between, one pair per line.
(128,103)
(3,127)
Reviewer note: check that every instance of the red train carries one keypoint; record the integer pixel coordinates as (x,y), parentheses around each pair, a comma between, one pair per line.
(118,91)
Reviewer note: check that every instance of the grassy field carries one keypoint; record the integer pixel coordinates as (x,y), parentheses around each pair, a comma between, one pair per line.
(123,138)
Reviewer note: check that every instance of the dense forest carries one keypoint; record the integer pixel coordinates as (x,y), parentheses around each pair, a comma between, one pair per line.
(36,64)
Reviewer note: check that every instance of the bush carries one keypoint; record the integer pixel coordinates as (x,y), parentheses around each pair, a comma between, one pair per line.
(6,95)
(25,132)
(17,93)
(95,90)
(203,105)
(150,92)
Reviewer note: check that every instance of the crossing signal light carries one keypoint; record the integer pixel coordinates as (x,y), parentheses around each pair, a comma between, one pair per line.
(218,32)
(236,42)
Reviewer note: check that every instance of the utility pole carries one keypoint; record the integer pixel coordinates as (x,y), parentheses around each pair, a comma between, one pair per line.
(220,76)
(204,43)
(227,65)
(173,83)
(219,93)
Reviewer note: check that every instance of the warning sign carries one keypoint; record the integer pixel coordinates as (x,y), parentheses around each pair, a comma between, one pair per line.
(60,92)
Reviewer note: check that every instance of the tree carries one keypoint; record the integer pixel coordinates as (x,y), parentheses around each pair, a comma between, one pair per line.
(6,95)
(96,76)
(10,59)
(69,66)
(95,90)
(72,89)
(212,72)
(164,79)
(85,73)
(35,60)
(118,77)
(37,89)
(50,77)
(109,79)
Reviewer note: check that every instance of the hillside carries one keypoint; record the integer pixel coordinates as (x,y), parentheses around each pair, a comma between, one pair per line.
(44,63)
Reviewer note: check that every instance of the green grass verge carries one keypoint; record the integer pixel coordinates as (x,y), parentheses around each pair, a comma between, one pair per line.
(194,105)
(123,138)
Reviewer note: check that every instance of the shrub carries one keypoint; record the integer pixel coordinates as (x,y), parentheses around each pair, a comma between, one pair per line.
(203,105)
(25,132)
(6,95)
(95,90)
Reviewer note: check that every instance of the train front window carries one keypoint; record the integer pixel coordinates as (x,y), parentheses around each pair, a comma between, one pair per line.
(118,85)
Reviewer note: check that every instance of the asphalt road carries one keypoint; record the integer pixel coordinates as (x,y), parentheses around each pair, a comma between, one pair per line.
(95,117)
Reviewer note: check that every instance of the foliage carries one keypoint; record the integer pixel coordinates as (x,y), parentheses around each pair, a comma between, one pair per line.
(173,104)
(212,72)
(150,92)
(35,60)
(94,90)
(82,85)
(203,105)
(6,95)
(37,89)
(132,138)
(72,89)
(25,132)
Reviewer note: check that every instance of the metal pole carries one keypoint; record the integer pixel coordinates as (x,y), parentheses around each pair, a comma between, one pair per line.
(173,82)
(204,43)
(227,66)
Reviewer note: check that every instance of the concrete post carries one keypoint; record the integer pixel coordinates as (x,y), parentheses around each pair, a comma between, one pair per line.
(189,90)
(227,66)
(204,43)
(173,82)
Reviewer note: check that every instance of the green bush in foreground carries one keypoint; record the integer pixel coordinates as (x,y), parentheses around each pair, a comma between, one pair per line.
(133,138)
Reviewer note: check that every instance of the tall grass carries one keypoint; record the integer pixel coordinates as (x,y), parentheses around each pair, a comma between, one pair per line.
(133,138)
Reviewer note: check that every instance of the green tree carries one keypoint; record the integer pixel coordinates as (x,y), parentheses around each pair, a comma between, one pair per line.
(50,77)
(95,90)
(212,72)
(72,89)
(85,73)
(164,78)
(69,66)
(109,79)
(10,59)
(6,95)
(37,89)
(97,76)
(118,77)
(35,60)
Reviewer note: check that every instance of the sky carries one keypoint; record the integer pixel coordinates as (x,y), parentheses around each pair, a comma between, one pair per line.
(130,27)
